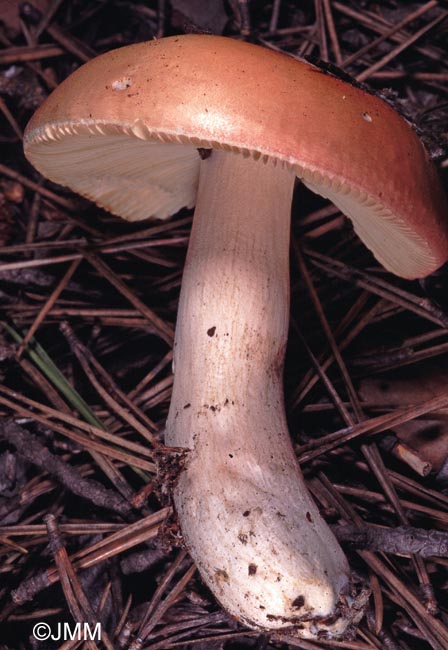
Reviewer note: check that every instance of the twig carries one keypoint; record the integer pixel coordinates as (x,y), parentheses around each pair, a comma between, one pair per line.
(365,74)
(34,452)
(77,601)
(116,543)
(48,305)
(403,540)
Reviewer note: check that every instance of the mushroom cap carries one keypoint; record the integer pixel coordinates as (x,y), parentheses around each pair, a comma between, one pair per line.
(124,128)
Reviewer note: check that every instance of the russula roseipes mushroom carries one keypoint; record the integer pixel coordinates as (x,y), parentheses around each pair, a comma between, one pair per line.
(124,130)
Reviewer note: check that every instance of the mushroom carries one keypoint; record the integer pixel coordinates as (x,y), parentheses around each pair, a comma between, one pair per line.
(150,128)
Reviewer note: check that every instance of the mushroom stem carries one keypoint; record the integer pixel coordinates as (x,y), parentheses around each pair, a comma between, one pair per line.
(246,516)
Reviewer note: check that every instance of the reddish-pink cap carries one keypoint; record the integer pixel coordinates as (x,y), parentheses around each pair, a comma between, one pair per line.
(123,131)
